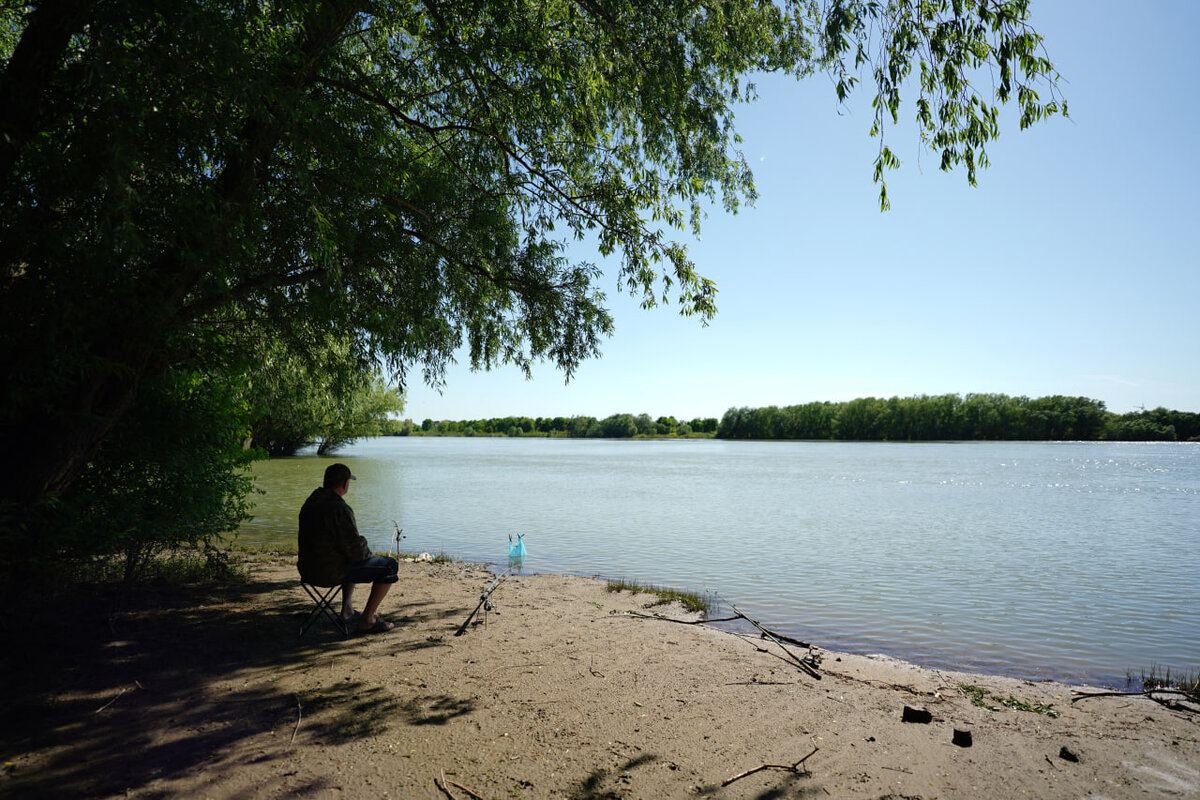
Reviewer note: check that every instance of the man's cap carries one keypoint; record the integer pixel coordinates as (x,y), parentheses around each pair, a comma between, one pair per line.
(337,474)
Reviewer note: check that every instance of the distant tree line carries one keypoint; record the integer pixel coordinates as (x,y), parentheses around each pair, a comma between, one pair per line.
(617,426)
(953,417)
(947,417)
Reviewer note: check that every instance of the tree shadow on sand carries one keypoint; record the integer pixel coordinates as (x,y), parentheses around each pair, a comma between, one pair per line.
(159,683)
(605,784)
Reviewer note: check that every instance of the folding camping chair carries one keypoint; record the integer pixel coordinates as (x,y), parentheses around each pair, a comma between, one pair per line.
(324,597)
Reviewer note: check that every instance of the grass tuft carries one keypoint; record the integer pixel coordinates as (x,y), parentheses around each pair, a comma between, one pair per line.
(692,601)
(1186,683)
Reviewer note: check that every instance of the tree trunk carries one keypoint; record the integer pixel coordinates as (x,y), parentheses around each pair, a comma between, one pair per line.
(49,447)
(35,60)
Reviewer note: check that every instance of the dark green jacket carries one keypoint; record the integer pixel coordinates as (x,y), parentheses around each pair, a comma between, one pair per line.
(329,539)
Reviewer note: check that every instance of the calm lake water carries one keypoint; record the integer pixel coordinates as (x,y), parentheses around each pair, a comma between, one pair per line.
(1073,561)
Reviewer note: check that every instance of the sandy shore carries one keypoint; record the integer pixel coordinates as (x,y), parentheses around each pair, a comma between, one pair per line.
(562,693)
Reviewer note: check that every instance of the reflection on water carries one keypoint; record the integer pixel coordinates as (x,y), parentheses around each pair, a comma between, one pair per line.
(1076,561)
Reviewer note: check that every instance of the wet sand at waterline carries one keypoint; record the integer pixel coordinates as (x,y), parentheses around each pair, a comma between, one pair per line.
(559,691)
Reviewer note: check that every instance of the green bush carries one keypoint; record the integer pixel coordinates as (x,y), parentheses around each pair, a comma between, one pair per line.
(173,476)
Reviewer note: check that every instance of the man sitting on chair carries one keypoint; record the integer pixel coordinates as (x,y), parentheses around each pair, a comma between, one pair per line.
(333,552)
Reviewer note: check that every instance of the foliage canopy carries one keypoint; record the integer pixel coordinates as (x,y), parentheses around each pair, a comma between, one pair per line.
(315,395)
(181,179)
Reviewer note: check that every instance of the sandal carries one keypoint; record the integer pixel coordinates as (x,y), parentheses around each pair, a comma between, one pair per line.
(381,626)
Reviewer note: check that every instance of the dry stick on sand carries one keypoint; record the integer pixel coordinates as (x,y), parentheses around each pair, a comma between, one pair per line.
(299,716)
(110,702)
(805,664)
(460,786)
(683,621)
(1176,699)
(786,767)
(136,685)
(442,785)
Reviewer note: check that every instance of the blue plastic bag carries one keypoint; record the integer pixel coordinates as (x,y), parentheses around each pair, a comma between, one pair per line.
(516,549)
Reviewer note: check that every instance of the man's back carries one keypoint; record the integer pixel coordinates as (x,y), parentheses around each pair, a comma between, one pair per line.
(329,541)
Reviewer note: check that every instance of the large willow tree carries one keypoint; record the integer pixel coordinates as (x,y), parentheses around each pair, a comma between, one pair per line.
(174,173)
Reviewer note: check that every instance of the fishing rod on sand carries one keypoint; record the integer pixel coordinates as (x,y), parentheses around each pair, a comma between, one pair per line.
(484,601)
(516,556)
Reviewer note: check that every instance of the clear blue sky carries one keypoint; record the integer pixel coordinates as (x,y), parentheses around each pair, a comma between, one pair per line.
(1071,269)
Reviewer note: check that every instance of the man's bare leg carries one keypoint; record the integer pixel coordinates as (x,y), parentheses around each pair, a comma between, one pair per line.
(347,601)
(378,592)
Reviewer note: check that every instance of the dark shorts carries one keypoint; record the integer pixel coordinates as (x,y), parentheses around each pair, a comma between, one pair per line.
(376,569)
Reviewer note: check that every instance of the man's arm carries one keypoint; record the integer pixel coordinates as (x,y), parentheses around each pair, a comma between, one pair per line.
(351,542)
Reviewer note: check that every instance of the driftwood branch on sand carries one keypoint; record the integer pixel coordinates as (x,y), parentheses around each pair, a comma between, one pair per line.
(1174,699)
(702,621)
(809,662)
(797,768)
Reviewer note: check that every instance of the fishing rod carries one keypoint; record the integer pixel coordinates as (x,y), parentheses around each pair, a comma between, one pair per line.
(399,536)
(483,601)
(516,557)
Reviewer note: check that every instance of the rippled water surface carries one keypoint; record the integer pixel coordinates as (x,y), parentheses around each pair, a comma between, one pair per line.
(1077,561)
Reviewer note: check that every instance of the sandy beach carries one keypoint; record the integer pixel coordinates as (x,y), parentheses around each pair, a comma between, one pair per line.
(562,690)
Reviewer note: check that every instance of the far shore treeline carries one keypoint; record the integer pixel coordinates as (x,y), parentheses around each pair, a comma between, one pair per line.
(922,418)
